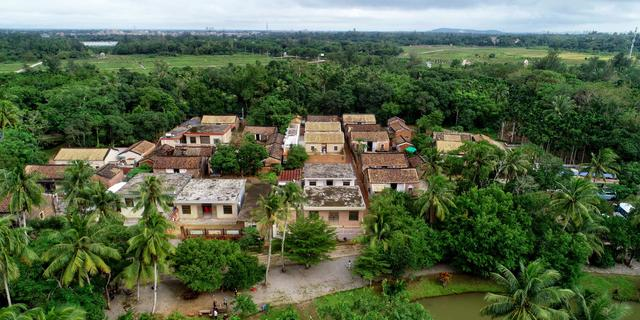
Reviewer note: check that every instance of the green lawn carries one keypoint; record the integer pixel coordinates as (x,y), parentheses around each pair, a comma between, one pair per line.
(442,54)
(622,288)
(429,286)
(145,63)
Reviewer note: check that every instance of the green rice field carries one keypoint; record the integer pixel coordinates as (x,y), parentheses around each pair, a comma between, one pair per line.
(443,54)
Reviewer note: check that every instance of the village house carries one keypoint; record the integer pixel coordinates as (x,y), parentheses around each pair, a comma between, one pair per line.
(399,179)
(328,174)
(292,175)
(50,176)
(324,142)
(96,157)
(261,134)
(369,141)
(395,160)
(275,149)
(208,134)
(358,119)
(323,118)
(322,127)
(398,128)
(172,185)
(109,175)
(176,135)
(401,143)
(231,120)
(450,141)
(363,128)
(342,207)
(181,159)
(210,208)
(136,152)
(49,207)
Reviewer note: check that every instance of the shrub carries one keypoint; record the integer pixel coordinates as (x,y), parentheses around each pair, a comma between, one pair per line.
(244,305)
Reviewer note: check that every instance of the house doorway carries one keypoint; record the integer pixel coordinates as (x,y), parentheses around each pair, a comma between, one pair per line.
(207,211)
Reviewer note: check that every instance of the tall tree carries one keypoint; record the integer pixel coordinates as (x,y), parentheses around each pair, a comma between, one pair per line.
(512,165)
(23,191)
(13,244)
(153,246)
(152,197)
(10,115)
(267,214)
(77,177)
(78,255)
(103,202)
(311,240)
(604,162)
(436,201)
(293,198)
(575,202)
(532,295)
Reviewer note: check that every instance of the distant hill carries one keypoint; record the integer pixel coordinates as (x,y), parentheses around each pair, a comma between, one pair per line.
(456,30)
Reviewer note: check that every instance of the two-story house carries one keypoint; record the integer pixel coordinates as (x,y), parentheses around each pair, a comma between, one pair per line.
(172,184)
(210,208)
(342,207)
(208,134)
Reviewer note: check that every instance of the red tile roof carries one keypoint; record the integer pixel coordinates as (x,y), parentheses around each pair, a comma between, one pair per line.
(290,175)
(47,171)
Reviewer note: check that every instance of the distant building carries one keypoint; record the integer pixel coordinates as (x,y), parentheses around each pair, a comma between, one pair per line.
(324,142)
(50,175)
(109,175)
(398,128)
(322,127)
(370,141)
(97,157)
(322,118)
(231,120)
(383,160)
(358,119)
(136,152)
(261,134)
(193,160)
(399,179)
(293,175)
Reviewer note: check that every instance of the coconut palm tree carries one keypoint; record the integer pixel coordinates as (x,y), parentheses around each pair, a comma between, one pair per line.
(152,247)
(437,199)
(104,203)
(20,312)
(23,191)
(10,115)
(152,197)
(13,244)
(575,202)
(267,214)
(293,198)
(136,272)
(513,164)
(77,177)
(78,255)
(595,306)
(591,232)
(532,295)
(433,162)
(377,228)
(602,163)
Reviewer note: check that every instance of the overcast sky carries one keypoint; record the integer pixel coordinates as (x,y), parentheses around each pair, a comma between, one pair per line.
(363,15)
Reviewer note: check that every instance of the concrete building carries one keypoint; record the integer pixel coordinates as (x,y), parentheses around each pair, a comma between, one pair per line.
(328,174)
(176,135)
(342,207)
(172,184)
(324,142)
(210,208)
(207,135)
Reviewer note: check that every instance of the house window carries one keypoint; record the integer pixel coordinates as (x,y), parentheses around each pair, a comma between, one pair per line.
(314,214)
(205,140)
(334,216)
(313,148)
(186,209)
(176,170)
(192,140)
(128,202)
(329,182)
(312,183)
(353,215)
(227,209)
(346,183)
(335,148)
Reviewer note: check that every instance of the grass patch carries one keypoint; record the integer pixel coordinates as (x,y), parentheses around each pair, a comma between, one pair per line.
(145,63)
(443,54)
(621,287)
(429,286)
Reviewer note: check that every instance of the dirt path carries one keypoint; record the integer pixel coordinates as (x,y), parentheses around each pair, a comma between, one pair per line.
(619,268)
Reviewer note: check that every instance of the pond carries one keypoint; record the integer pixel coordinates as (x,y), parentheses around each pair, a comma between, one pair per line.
(467,307)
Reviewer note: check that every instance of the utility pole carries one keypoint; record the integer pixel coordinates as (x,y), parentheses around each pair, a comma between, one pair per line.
(635,34)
